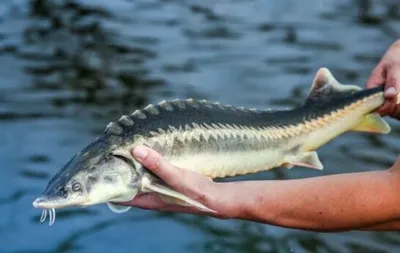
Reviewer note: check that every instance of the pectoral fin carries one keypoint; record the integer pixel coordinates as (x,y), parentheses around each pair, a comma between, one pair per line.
(173,201)
(308,159)
(171,196)
(117,208)
(372,123)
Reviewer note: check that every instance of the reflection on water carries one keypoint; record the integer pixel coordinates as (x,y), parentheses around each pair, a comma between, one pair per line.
(69,67)
(68,45)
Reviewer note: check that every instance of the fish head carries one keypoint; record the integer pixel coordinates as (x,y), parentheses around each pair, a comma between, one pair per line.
(93,176)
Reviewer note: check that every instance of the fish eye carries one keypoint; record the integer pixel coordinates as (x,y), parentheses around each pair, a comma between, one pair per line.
(62,193)
(76,186)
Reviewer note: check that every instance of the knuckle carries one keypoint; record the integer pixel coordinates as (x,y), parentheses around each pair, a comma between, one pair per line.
(157,160)
(154,161)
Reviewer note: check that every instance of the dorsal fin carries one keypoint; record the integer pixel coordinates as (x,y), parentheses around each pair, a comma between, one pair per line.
(325,84)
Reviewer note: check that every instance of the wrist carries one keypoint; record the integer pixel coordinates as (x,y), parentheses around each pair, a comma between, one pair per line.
(231,200)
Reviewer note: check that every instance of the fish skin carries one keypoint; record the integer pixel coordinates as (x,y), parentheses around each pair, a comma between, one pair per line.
(213,139)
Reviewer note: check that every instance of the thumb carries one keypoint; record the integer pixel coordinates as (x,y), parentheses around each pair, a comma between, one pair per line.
(153,161)
(393,82)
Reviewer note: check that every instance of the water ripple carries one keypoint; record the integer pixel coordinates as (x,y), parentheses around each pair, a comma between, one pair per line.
(70,67)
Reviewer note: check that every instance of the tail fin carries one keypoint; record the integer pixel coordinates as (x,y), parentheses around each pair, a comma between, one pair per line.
(325,85)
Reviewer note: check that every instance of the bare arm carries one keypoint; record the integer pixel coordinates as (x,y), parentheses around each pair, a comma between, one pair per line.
(329,203)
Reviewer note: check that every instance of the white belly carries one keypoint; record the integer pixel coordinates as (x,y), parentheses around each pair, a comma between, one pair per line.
(222,164)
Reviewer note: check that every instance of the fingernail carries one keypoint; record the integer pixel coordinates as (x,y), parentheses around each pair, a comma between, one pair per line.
(390,91)
(140,152)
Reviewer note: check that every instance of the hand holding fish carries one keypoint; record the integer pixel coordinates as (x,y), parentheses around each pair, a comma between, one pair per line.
(189,183)
(387,73)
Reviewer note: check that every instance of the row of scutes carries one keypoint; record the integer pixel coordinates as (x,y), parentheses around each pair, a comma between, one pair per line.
(115,128)
(203,131)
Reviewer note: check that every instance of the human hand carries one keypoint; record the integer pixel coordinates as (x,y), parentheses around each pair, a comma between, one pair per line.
(387,73)
(189,183)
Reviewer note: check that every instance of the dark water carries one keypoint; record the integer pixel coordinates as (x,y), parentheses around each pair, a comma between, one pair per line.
(70,67)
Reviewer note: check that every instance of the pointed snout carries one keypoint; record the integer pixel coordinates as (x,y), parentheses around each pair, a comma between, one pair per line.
(39,202)
(44,202)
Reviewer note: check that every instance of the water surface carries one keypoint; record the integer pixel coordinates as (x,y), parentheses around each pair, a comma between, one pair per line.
(70,67)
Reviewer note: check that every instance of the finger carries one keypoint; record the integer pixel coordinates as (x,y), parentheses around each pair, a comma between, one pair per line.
(377,77)
(152,160)
(387,108)
(392,86)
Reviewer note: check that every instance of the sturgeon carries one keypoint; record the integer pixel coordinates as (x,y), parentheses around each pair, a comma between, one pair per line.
(212,139)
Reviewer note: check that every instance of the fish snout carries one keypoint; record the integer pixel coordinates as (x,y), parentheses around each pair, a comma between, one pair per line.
(39,202)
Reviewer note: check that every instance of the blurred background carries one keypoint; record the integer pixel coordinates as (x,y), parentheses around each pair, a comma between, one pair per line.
(69,67)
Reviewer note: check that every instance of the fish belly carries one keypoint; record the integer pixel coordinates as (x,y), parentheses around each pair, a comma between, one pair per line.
(231,163)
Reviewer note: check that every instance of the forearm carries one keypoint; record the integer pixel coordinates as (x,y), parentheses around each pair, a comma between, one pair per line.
(386,226)
(328,203)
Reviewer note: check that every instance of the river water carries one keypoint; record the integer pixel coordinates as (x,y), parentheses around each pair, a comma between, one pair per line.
(70,67)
